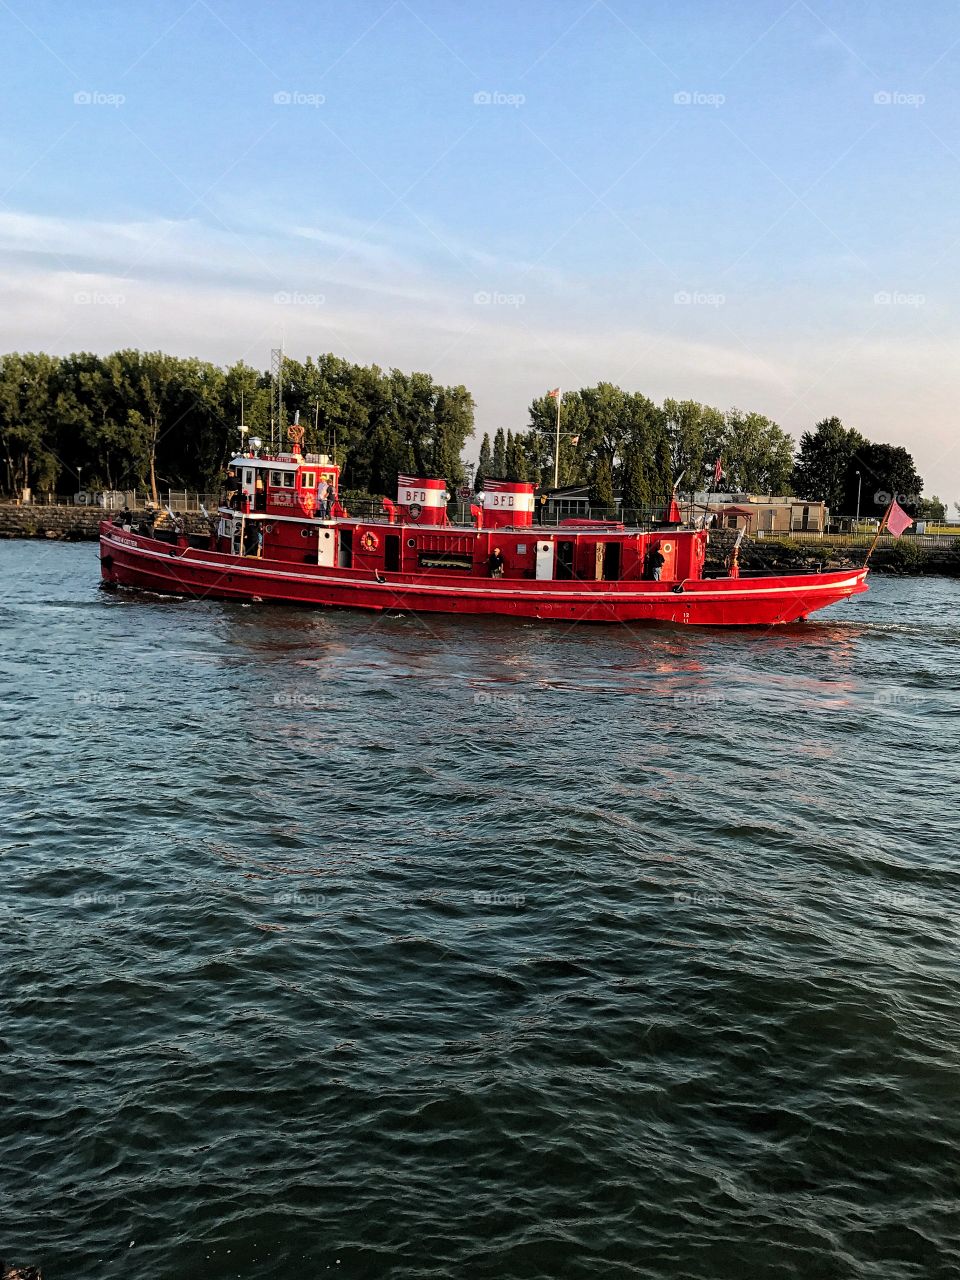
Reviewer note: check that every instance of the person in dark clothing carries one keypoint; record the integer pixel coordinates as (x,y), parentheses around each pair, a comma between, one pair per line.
(233,487)
(655,562)
(495,563)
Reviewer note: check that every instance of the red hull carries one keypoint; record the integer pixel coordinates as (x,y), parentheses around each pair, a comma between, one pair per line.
(132,560)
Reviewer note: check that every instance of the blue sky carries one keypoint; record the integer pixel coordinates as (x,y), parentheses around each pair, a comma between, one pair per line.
(752,205)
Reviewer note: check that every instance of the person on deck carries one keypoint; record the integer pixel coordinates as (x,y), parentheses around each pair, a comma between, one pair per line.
(495,563)
(655,562)
(233,487)
(323,495)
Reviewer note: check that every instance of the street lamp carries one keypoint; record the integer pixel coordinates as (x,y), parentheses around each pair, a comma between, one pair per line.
(859,483)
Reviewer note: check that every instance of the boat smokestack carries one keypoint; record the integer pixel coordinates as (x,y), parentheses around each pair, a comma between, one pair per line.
(507,502)
(422,501)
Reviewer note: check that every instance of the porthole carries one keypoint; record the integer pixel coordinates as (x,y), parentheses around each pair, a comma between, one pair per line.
(411,542)
(306,533)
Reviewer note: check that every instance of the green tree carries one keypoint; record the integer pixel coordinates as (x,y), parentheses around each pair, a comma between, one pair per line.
(484,464)
(697,433)
(499,454)
(542,439)
(824,464)
(888,471)
(516,458)
(635,481)
(933,509)
(757,454)
(601,483)
(27,392)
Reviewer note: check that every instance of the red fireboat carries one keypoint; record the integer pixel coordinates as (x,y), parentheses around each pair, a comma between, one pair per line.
(283,536)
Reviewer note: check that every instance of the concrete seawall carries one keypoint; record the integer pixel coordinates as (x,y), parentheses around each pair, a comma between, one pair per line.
(66,524)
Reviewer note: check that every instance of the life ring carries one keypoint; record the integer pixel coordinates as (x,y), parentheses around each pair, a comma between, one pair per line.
(369,541)
(666,547)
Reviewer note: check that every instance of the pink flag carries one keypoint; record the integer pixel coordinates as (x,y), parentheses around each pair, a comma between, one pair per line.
(897,519)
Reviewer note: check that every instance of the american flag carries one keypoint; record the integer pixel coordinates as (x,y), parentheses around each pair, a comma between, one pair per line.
(718,471)
(554,394)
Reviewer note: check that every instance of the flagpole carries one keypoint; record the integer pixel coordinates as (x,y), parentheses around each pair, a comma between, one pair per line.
(873,544)
(556,452)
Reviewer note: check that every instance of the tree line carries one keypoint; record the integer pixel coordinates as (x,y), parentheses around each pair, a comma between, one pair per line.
(151,421)
(616,441)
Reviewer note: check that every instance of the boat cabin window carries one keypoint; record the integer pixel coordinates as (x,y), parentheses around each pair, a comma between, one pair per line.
(308,479)
(248,475)
(276,479)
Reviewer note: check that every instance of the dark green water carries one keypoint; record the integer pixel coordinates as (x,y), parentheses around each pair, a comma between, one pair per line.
(386,947)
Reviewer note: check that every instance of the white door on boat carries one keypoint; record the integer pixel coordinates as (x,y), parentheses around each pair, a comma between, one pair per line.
(326,547)
(544,560)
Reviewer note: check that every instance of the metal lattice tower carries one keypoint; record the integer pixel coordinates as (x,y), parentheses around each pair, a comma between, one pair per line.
(276,398)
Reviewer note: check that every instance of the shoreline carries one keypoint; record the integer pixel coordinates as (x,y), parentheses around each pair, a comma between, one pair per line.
(906,558)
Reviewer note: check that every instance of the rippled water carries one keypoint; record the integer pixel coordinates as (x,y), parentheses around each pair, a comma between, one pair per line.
(455,948)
